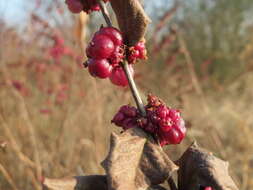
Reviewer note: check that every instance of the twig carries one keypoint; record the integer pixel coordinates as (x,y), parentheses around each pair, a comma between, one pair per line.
(105,13)
(130,79)
(134,89)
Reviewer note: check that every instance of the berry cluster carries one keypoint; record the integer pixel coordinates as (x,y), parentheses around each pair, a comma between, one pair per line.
(76,6)
(105,53)
(162,122)
(137,52)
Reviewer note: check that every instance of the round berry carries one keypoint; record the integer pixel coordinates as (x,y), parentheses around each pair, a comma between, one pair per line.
(208,188)
(173,136)
(113,33)
(118,76)
(118,118)
(99,68)
(75,6)
(101,47)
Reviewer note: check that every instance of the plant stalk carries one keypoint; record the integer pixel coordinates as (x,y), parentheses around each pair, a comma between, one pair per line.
(134,89)
(125,66)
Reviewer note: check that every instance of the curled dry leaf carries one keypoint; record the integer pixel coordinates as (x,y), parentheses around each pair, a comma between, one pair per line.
(133,163)
(93,182)
(132,20)
(199,168)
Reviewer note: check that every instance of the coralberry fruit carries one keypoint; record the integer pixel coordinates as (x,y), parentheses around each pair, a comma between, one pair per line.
(163,122)
(114,34)
(101,47)
(106,53)
(118,76)
(99,68)
(125,117)
(137,52)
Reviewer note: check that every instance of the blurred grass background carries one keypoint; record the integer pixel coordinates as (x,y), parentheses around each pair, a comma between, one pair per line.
(55,118)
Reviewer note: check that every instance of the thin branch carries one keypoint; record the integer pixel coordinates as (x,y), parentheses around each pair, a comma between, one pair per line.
(134,89)
(105,13)
(130,79)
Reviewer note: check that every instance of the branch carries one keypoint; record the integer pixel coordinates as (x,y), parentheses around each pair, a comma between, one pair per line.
(130,79)
(105,13)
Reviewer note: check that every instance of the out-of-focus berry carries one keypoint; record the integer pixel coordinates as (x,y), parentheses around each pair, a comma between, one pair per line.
(75,6)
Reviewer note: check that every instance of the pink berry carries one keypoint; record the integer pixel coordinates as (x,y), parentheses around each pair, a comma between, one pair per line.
(101,47)
(99,68)
(113,33)
(118,76)
(75,6)
(208,188)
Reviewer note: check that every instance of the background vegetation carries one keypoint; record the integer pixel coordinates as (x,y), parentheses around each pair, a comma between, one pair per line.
(55,118)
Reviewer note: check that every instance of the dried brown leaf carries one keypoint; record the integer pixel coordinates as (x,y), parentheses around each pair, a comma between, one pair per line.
(132,20)
(93,182)
(198,167)
(133,163)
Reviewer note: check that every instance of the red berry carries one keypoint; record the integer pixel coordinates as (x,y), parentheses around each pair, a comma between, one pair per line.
(99,68)
(75,6)
(118,76)
(208,188)
(128,111)
(101,47)
(164,123)
(177,133)
(113,33)
(118,118)
(162,111)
